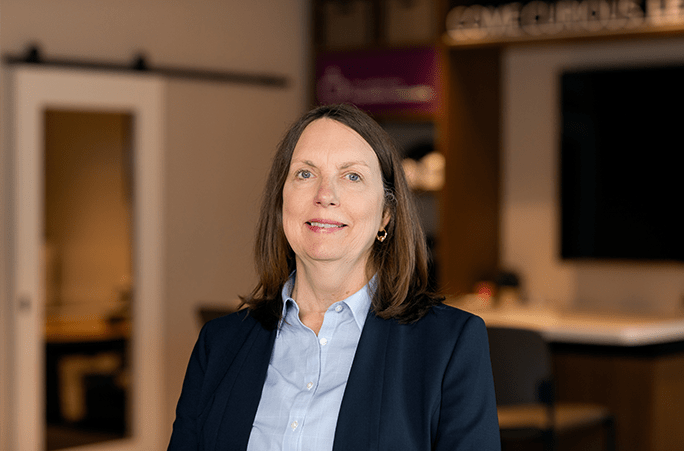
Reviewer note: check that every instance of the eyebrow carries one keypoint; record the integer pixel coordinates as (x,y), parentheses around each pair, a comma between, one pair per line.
(353,163)
(344,165)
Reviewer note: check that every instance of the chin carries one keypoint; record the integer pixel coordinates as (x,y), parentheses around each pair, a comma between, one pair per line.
(325,255)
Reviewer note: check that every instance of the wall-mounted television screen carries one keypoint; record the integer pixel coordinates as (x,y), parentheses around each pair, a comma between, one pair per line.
(622,171)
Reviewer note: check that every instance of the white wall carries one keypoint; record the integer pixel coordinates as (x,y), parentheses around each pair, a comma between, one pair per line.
(219,137)
(530,233)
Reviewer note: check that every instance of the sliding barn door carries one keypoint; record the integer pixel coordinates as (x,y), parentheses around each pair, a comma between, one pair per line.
(86,259)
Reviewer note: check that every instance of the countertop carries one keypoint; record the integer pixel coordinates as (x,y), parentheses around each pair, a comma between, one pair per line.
(581,327)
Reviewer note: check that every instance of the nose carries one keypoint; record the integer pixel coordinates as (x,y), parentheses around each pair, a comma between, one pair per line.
(326,194)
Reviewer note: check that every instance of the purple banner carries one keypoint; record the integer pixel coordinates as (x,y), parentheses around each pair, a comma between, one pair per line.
(381,81)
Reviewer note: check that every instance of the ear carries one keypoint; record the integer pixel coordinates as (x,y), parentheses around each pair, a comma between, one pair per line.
(385,218)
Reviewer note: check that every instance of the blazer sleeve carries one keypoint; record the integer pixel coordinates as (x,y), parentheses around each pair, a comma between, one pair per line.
(185,428)
(468,418)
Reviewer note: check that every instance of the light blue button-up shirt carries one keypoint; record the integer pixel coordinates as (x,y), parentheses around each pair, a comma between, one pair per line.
(307,376)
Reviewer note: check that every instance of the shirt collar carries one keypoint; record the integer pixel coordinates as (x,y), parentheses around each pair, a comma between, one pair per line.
(359,303)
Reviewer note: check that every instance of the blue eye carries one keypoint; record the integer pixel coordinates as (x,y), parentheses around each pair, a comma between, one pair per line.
(354,177)
(303,173)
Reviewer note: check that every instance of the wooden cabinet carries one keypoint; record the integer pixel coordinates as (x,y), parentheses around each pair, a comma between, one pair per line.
(373,23)
(643,386)
(632,364)
(469,228)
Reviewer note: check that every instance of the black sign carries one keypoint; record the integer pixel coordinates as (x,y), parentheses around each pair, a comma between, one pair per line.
(500,19)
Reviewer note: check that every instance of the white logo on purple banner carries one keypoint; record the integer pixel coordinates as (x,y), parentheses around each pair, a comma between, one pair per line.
(334,87)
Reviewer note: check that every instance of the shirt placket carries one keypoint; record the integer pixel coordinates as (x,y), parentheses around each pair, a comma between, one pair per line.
(316,350)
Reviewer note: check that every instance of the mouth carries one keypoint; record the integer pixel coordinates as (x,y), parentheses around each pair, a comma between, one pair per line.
(325,225)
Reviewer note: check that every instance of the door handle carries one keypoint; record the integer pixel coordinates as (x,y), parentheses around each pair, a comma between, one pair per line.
(24,304)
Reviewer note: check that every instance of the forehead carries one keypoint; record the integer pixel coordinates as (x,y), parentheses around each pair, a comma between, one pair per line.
(331,140)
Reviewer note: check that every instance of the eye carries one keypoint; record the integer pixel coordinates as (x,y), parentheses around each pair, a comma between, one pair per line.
(303,174)
(354,177)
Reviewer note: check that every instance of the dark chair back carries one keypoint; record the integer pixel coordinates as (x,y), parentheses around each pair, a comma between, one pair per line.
(521,364)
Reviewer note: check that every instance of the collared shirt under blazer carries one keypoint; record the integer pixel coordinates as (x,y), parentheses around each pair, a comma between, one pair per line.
(422,386)
(307,376)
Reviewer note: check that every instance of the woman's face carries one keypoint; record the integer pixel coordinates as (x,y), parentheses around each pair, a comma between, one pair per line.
(333,197)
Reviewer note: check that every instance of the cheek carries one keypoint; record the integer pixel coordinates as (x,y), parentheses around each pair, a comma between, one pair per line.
(288,220)
(293,212)
(289,202)
(287,210)
(372,211)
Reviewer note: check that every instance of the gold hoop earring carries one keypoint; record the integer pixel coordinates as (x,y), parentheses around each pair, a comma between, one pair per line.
(382,234)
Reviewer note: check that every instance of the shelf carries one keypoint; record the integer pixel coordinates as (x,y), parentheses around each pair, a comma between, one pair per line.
(660,31)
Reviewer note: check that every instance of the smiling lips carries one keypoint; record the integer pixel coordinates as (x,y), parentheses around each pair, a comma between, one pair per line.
(324,225)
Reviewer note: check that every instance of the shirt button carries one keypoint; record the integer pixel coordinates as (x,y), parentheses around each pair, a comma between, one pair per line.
(339,308)
(309,385)
(323,341)
(294,425)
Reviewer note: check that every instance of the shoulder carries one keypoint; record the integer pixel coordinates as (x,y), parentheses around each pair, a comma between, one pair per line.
(445,339)
(227,324)
(228,332)
(445,324)
(449,313)
(443,317)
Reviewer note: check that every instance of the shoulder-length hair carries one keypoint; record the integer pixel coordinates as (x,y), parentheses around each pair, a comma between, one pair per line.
(400,262)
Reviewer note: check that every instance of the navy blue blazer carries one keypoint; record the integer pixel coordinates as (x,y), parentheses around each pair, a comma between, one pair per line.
(421,386)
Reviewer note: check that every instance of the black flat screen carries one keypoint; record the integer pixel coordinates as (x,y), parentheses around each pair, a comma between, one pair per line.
(622,172)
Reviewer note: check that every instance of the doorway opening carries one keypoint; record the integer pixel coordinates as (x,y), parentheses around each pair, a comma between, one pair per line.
(88,276)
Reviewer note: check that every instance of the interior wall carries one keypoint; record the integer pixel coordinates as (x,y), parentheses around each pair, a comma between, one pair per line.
(530,210)
(219,137)
(5,306)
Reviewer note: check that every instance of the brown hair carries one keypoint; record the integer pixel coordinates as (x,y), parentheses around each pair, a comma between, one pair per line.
(400,262)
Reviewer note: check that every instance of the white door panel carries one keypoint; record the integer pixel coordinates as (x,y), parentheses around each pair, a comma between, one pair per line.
(34,90)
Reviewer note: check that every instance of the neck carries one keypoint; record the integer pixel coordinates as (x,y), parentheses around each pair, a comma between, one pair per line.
(318,286)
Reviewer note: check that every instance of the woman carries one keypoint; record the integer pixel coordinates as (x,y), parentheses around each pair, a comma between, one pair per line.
(341,346)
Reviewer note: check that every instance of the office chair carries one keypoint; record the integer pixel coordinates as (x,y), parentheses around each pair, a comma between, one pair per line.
(523,380)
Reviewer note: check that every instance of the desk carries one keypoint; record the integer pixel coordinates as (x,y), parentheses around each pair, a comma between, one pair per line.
(60,329)
(81,350)
(632,364)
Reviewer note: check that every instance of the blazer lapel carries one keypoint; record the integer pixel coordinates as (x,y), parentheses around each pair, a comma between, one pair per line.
(358,422)
(240,391)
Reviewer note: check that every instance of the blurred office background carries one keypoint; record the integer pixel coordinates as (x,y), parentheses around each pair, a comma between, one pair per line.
(486,152)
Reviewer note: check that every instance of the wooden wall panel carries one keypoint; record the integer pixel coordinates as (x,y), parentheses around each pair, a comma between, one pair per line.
(646,395)
(470,199)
